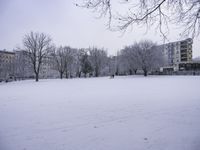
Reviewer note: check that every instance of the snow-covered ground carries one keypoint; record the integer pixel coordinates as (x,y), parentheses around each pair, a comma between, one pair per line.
(125,113)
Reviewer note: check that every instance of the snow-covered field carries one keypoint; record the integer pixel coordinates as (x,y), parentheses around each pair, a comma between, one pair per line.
(125,113)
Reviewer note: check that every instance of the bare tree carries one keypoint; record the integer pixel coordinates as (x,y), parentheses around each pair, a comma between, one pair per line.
(86,66)
(159,13)
(38,46)
(148,55)
(98,58)
(78,61)
(69,60)
(59,57)
(112,65)
(130,59)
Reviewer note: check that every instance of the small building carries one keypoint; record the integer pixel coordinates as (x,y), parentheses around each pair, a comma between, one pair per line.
(23,65)
(6,64)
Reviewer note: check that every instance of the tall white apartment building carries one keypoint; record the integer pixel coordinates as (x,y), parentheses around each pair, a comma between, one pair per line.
(177,52)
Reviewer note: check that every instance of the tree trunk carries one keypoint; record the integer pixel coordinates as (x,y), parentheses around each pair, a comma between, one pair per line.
(79,75)
(96,74)
(66,75)
(117,71)
(70,75)
(130,72)
(145,72)
(135,71)
(36,77)
(61,75)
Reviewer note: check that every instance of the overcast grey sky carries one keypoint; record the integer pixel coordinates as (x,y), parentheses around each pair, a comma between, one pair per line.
(67,25)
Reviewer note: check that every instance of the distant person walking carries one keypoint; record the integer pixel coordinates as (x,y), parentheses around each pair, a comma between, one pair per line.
(112,76)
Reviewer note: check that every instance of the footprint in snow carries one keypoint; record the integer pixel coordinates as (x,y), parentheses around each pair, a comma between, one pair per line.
(146,139)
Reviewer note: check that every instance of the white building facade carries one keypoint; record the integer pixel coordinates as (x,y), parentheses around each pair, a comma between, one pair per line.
(176,53)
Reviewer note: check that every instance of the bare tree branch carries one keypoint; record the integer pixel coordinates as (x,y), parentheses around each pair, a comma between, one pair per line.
(185,13)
